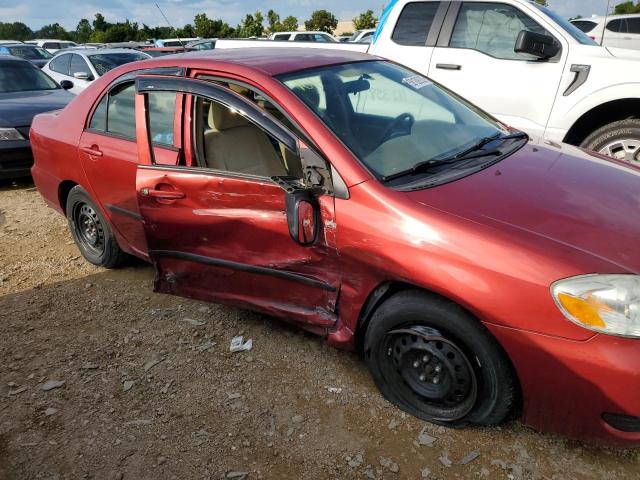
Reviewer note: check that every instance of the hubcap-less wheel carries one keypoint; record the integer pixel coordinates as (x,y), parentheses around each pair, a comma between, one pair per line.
(89,228)
(425,366)
(623,149)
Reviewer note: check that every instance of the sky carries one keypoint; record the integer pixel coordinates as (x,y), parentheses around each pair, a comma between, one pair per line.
(36,13)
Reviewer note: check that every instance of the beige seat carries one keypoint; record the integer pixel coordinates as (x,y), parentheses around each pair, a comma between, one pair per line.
(237,145)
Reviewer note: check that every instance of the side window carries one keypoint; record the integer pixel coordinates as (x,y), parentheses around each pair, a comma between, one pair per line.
(99,119)
(585,25)
(414,23)
(226,140)
(162,107)
(121,112)
(282,36)
(303,37)
(61,64)
(619,25)
(78,65)
(320,38)
(633,25)
(52,45)
(492,28)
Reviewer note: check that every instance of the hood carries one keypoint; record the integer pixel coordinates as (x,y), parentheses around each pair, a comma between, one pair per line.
(17,109)
(563,194)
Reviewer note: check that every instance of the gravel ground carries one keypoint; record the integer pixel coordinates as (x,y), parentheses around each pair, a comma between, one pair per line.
(101,378)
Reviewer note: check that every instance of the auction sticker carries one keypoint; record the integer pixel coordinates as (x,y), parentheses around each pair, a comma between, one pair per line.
(416,81)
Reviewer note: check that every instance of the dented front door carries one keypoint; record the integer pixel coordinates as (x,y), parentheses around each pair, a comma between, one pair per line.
(218,236)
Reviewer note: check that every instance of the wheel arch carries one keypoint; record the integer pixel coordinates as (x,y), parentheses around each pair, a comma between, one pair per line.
(63,192)
(601,115)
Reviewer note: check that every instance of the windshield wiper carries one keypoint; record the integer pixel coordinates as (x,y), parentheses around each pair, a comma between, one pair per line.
(475,151)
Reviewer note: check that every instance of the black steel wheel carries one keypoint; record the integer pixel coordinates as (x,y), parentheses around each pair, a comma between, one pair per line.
(434,360)
(91,232)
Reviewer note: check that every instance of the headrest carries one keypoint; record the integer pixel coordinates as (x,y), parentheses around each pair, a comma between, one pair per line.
(222,118)
(309,95)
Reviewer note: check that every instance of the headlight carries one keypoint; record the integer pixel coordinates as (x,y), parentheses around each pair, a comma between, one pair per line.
(10,134)
(604,303)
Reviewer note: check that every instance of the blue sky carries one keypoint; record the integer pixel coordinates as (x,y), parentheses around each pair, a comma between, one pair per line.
(36,13)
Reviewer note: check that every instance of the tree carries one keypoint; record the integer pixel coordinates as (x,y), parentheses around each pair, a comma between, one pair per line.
(83,31)
(365,20)
(15,31)
(207,28)
(53,30)
(322,20)
(626,7)
(274,21)
(99,23)
(186,32)
(290,24)
(251,26)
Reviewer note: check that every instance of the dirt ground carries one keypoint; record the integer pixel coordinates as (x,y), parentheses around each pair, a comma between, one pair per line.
(143,386)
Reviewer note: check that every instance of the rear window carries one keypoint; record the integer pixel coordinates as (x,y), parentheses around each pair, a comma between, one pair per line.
(414,23)
(107,61)
(585,25)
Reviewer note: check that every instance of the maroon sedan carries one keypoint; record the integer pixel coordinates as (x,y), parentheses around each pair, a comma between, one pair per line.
(480,274)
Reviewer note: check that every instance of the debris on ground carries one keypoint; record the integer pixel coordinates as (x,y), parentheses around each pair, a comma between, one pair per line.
(127,385)
(236,475)
(355,461)
(445,461)
(17,391)
(334,389)
(239,345)
(424,439)
(50,411)
(425,472)
(193,322)
(389,464)
(469,457)
(51,384)
(153,362)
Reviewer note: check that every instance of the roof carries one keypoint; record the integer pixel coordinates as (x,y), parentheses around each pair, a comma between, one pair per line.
(276,61)
(98,51)
(4,57)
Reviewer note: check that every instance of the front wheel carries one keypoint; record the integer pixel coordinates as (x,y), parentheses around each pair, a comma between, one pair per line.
(435,361)
(620,140)
(91,232)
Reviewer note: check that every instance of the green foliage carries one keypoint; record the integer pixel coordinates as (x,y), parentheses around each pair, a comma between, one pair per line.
(207,28)
(544,3)
(251,26)
(626,7)
(53,30)
(83,31)
(290,24)
(322,20)
(15,31)
(365,20)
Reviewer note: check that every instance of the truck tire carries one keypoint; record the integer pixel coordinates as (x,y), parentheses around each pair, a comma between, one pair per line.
(620,140)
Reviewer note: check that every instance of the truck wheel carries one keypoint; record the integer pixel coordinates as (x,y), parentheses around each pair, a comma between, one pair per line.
(433,360)
(91,231)
(620,140)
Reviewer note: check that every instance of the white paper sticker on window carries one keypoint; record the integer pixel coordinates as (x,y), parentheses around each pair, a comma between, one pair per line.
(416,81)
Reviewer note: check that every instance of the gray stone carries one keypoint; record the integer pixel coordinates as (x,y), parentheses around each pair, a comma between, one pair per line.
(51,384)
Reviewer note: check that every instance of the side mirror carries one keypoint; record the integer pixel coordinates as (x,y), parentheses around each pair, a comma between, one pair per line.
(66,84)
(541,46)
(82,76)
(303,216)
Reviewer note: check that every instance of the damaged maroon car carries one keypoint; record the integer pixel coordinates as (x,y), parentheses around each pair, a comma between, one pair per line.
(480,274)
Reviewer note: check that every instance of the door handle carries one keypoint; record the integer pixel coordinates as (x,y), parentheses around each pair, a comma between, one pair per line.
(448,66)
(162,194)
(93,150)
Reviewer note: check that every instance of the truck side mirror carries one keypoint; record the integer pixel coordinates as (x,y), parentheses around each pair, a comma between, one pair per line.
(541,46)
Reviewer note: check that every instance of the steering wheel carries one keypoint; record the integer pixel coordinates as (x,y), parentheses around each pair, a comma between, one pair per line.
(401,125)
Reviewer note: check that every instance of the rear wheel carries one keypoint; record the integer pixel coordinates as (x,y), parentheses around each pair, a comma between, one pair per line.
(620,140)
(435,361)
(91,232)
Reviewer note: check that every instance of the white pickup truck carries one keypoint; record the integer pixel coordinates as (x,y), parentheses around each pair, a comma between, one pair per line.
(521,62)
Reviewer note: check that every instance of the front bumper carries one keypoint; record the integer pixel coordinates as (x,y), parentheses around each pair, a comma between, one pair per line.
(588,390)
(16,159)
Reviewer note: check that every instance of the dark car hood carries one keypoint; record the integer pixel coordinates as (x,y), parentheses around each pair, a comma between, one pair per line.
(17,109)
(560,193)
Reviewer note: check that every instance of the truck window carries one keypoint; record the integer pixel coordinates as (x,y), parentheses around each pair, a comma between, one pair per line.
(492,28)
(618,25)
(633,25)
(585,25)
(414,23)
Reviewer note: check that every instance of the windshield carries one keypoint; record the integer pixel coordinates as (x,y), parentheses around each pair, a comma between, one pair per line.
(390,117)
(104,62)
(30,53)
(567,26)
(19,76)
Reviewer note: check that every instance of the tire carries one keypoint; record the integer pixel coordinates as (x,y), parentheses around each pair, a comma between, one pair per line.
(476,382)
(91,231)
(620,140)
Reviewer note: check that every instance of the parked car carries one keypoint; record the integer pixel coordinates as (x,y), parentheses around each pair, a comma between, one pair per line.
(363,36)
(521,62)
(84,66)
(52,46)
(204,44)
(360,200)
(162,51)
(320,37)
(621,31)
(36,55)
(24,92)
(5,42)
(343,38)
(175,42)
